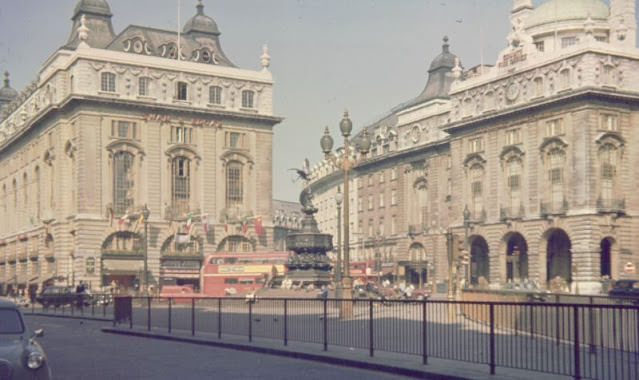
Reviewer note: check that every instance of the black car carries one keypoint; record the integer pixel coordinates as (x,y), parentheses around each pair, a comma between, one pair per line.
(625,288)
(63,295)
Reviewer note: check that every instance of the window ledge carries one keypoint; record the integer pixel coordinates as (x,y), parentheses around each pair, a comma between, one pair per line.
(183,102)
(252,110)
(109,93)
(217,106)
(146,97)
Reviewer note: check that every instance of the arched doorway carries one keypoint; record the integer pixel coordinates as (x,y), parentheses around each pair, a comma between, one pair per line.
(181,261)
(479,262)
(516,258)
(605,257)
(123,261)
(415,268)
(558,258)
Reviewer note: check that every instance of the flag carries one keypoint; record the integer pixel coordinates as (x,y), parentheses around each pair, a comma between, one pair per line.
(123,219)
(226,223)
(205,224)
(244,225)
(257,223)
(110,217)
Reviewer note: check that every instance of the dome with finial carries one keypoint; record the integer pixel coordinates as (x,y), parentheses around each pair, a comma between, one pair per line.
(97,7)
(201,23)
(7,94)
(445,60)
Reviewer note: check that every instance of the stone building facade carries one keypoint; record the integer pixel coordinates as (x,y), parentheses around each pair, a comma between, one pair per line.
(132,155)
(515,173)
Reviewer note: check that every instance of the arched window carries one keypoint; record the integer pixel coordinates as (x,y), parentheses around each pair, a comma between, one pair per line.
(513,175)
(477,189)
(123,183)
(181,185)
(234,188)
(215,95)
(38,192)
(608,162)
(556,178)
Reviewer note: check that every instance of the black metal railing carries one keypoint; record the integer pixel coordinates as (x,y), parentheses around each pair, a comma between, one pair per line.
(587,337)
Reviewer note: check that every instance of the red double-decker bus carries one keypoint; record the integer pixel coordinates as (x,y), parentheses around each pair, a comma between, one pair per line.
(231,273)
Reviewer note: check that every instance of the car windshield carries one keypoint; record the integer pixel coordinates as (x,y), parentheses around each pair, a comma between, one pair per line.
(10,322)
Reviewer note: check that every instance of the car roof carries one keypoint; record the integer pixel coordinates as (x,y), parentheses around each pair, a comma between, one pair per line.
(7,303)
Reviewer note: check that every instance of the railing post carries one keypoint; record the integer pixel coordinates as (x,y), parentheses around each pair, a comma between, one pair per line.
(325,324)
(371,337)
(170,316)
(148,313)
(219,318)
(250,321)
(424,335)
(575,319)
(193,316)
(285,322)
(492,338)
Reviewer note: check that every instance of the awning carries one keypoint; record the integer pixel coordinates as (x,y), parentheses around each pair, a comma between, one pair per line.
(111,266)
(33,280)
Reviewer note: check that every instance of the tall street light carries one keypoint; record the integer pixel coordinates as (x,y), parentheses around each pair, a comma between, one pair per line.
(145,214)
(345,161)
(338,265)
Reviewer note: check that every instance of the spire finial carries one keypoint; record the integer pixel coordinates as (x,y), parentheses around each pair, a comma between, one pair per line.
(445,45)
(200,7)
(6,78)
(83,31)
(265,59)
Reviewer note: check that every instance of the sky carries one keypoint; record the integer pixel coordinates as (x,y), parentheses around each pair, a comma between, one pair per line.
(366,56)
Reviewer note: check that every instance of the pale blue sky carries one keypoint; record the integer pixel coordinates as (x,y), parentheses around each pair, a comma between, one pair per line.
(327,55)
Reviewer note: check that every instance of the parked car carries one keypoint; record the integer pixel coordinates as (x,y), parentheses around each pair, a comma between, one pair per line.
(21,356)
(625,288)
(63,295)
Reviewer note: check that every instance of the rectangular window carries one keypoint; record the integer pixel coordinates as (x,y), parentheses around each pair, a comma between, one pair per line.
(513,136)
(393,197)
(476,188)
(370,202)
(608,122)
(539,45)
(554,127)
(108,82)
(247,99)
(555,176)
(476,145)
(381,177)
(182,91)
(181,135)
(568,41)
(215,95)
(235,140)
(143,86)
(381,199)
(393,174)
(123,129)
(539,86)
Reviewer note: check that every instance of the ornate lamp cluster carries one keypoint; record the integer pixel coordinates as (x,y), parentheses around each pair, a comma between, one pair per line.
(342,159)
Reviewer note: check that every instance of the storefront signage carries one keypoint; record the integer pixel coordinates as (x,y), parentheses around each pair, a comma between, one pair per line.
(196,122)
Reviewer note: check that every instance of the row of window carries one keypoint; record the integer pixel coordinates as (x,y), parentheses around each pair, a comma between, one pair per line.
(381,177)
(554,127)
(124,184)
(381,197)
(372,229)
(108,81)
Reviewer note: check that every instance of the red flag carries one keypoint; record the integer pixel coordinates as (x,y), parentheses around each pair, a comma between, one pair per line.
(244,227)
(257,223)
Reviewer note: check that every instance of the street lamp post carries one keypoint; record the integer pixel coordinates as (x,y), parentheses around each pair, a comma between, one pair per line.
(145,214)
(338,265)
(345,162)
(466,246)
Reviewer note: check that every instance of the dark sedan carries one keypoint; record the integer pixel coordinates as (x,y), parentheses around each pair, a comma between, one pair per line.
(62,295)
(625,288)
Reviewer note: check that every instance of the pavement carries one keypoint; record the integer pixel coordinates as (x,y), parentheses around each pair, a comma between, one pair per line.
(392,363)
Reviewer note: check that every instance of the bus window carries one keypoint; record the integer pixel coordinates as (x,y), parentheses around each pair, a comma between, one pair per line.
(230,260)
(230,280)
(246,281)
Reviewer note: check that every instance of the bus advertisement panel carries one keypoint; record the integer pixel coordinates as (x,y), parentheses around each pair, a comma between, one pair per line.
(232,273)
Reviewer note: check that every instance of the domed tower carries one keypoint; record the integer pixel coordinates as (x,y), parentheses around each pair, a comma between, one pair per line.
(98,20)
(203,26)
(7,94)
(439,75)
